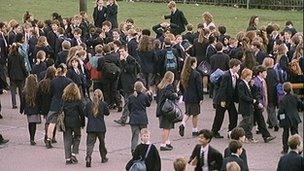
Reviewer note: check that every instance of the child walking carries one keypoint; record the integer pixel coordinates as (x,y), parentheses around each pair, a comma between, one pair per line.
(288,114)
(96,127)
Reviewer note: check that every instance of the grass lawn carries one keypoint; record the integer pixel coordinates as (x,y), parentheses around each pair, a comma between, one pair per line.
(146,15)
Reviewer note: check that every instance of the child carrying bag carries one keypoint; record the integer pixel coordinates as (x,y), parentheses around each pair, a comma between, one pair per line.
(140,165)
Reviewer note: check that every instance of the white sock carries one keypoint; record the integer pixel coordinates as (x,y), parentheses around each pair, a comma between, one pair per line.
(168,142)
(163,145)
(194,130)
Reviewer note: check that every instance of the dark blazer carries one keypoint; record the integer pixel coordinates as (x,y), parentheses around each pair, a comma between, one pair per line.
(112,15)
(27,108)
(243,156)
(219,60)
(199,50)
(246,106)
(11,38)
(52,39)
(189,36)
(3,49)
(99,16)
(194,92)
(153,162)
(137,107)
(272,81)
(96,124)
(32,44)
(61,57)
(166,93)
(129,70)
(210,51)
(291,162)
(38,68)
(73,114)
(132,48)
(45,100)
(179,19)
(260,56)
(47,49)
(289,106)
(233,158)
(161,57)
(226,92)
(147,61)
(57,86)
(215,158)
(76,78)
(16,68)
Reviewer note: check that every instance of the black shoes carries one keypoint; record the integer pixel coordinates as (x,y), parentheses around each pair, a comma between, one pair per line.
(14,107)
(270,138)
(4,141)
(119,109)
(166,148)
(104,160)
(74,159)
(48,144)
(33,142)
(194,134)
(181,130)
(276,129)
(169,146)
(120,122)
(88,161)
(69,161)
(217,135)
(54,141)
(1,117)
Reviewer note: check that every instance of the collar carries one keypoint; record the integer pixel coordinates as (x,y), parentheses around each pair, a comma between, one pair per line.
(206,148)
(148,143)
(235,154)
(260,78)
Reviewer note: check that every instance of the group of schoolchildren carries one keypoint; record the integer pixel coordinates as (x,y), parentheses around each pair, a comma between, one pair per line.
(54,64)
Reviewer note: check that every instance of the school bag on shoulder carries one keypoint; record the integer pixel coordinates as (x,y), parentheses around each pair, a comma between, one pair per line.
(110,69)
(92,67)
(280,92)
(140,165)
(170,61)
(216,75)
(282,75)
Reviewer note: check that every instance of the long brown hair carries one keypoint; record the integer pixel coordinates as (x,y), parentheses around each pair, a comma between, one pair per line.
(45,84)
(97,98)
(186,71)
(30,90)
(168,79)
(13,50)
(145,44)
(71,93)
(202,37)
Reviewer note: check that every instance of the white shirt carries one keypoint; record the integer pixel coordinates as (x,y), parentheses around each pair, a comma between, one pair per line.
(234,78)
(205,150)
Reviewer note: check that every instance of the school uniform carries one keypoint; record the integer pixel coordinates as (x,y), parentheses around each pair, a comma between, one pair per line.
(112,11)
(233,158)
(243,156)
(291,162)
(193,94)
(147,63)
(199,50)
(207,158)
(260,56)
(73,121)
(288,108)
(38,68)
(189,36)
(99,16)
(138,115)
(132,46)
(219,60)
(179,19)
(272,81)
(61,57)
(52,39)
(96,128)
(210,51)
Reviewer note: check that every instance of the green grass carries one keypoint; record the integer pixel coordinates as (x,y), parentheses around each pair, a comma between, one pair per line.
(146,15)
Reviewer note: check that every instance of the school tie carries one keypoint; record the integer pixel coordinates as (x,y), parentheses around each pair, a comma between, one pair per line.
(202,158)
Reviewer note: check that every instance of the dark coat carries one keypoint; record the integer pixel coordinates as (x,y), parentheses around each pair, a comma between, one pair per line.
(199,50)
(3,48)
(226,92)
(153,162)
(291,162)
(147,61)
(73,114)
(289,106)
(45,100)
(96,124)
(246,105)
(137,107)
(161,57)
(233,158)
(132,48)
(179,19)
(260,56)
(16,68)
(61,57)
(112,15)
(219,60)
(53,40)
(76,78)
(210,51)
(189,36)
(99,16)
(272,81)
(27,108)
(194,92)
(166,93)
(38,68)
(57,86)
(47,49)
(129,70)
(243,156)
(215,158)
(32,44)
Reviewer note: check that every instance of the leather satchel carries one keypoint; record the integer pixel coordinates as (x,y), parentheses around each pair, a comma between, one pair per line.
(172,111)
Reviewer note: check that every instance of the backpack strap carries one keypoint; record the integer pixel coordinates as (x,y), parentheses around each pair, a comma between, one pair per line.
(148,150)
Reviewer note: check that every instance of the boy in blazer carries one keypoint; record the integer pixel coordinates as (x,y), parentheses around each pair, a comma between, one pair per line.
(176,17)
(226,97)
(205,157)
(236,149)
(288,114)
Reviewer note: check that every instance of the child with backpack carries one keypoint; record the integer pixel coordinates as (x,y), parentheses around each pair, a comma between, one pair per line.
(145,154)
(288,114)
(96,128)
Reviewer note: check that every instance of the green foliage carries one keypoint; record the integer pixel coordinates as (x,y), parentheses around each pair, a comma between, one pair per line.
(146,15)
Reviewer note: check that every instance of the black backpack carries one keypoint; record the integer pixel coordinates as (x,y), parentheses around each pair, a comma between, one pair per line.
(110,69)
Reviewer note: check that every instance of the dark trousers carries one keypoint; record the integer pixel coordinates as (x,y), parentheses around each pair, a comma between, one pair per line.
(293,130)
(111,93)
(247,124)
(91,139)
(71,141)
(259,119)
(219,117)
(32,130)
(272,117)
(14,86)
(125,112)
(135,135)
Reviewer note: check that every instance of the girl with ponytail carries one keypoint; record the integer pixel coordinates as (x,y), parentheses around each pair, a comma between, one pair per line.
(96,127)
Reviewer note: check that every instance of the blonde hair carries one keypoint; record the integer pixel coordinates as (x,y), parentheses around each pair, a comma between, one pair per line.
(171,4)
(97,97)
(138,88)
(168,79)
(233,166)
(144,131)
(71,93)
(207,17)
(30,90)
(268,62)
(42,41)
(180,164)
(40,55)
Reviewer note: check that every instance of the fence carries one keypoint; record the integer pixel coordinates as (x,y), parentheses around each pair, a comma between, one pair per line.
(264,4)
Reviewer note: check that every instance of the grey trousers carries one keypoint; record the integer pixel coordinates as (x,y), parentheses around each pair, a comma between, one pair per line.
(14,86)
(272,115)
(125,112)
(247,124)
(71,141)
(135,135)
(91,139)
